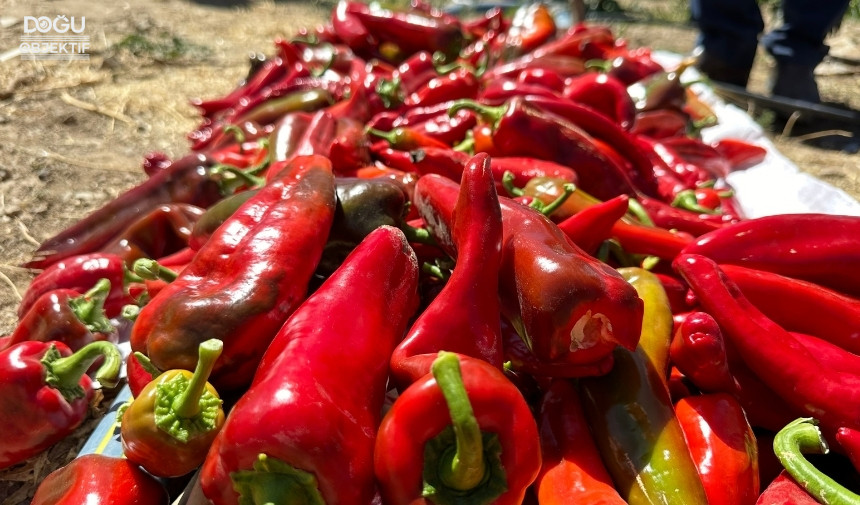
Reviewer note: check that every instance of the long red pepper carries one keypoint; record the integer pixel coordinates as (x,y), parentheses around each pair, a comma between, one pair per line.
(776,357)
(246,279)
(801,306)
(589,227)
(572,471)
(849,441)
(462,318)
(568,307)
(462,434)
(46,393)
(723,447)
(311,429)
(819,248)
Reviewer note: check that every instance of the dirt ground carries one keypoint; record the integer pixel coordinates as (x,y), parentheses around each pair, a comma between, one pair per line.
(73,134)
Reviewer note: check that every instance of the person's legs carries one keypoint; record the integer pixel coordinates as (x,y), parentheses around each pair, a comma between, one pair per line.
(728,36)
(797,45)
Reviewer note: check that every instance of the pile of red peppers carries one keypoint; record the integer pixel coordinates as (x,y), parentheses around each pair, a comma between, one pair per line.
(414,258)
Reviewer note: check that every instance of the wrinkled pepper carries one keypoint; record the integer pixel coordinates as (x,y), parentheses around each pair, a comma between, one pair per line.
(96,479)
(46,393)
(572,471)
(186,180)
(462,434)
(462,318)
(306,433)
(723,447)
(568,307)
(631,413)
(245,280)
(179,413)
(163,231)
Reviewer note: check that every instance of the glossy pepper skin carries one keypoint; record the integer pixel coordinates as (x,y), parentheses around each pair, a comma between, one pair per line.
(246,280)
(179,414)
(317,423)
(96,479)
(65,315)
(632,416)
(499,458)
(45,393)
(568,307)
(80,273)
(823,248)
(162,232)
(605,94)
(801,306)
(572,471)
(462,318)
(774,355)
(723,447)
(186,180)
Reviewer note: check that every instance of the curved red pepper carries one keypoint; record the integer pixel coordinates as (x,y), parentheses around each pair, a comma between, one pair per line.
(46,393)
(163,231)
(723,447)
(801,306)
(95,479)
(777,358)
(567,306)
(589,227)
(739,153)
(819,248)
(312,427)
(542,76)
(462,318)
(500,432)
(455,85)
(660,124)
(849,441)
(246,279)
(784,490)
(605,94)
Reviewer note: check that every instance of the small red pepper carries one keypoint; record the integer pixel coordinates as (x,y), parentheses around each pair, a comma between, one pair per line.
(455,85)
(176,414)
(740,154)
(463,429)
(96,479)
(165,230)
(723,447)
(580,41)
(591,226)
(404,138)
(246,279)
(777,358)
(46,393)
(660,124)
(819,248)
(80,273)
(461,318)
(572,471)
(310,429)
(65,315)
(541,76)
(604,93)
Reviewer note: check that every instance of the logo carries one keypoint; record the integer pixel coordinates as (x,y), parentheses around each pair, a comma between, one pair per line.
(61,38)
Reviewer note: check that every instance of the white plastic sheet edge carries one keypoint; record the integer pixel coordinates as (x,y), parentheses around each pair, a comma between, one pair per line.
(776,185)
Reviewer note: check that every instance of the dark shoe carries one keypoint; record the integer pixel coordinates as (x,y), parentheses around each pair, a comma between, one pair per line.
(720,70)
(794,81)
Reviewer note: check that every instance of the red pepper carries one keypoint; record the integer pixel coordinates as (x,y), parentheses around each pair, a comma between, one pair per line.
(68,316)
(80,273)
(564,66)
(350,149)
(96,479)
(187,180)
(541,76)
(660,124)
(604,93)
(178,413)
(524,169)
(696,152)
(350,29)
(415,72)
(463,429)
(673,218)
(586,42)
(723,447)
(462,318)
(591,226)
(531,26)
(819,248)
(270,72)
(690,174)
(445,129)
(520,129)
(632,65)
(246,279)
(801,306)
(163,231)
(311,428)
(46,393)
(499,91)
(785,491)
(849,441)
(777,358)
(455,85)
(572,471)
(740,154)
(567,306)
(404,138)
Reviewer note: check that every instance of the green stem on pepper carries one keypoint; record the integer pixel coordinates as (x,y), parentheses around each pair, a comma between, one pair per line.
(149,269)
(187,404)
(90,307)
(64,374)
(273,481)
(802,436)
(490,114)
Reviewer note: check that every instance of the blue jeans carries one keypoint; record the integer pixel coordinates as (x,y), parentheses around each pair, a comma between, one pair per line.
(729,30)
